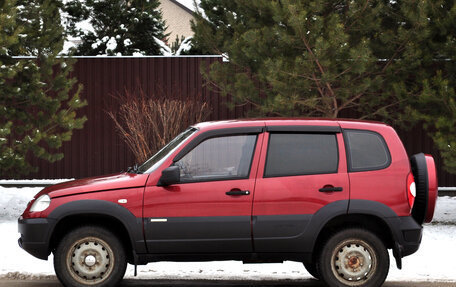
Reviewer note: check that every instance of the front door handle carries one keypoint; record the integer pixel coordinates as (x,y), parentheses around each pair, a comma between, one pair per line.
(330,189)
(237,192)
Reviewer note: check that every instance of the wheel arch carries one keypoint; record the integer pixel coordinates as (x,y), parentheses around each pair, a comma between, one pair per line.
(372,215)
(369,222)
(102,213)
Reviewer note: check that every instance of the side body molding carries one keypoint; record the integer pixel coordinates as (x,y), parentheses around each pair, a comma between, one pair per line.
(106,208)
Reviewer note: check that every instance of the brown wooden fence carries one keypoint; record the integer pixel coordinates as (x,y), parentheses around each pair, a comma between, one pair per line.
(97,149)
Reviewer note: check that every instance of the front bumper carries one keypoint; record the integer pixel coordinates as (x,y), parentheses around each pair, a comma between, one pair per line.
(35,236)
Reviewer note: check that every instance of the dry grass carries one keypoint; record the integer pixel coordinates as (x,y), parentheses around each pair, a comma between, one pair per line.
(147,123)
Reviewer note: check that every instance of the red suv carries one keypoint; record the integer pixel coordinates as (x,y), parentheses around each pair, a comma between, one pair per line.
(333,194)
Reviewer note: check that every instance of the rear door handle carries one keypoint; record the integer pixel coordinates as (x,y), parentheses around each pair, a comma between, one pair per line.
(330,189)
(237,192)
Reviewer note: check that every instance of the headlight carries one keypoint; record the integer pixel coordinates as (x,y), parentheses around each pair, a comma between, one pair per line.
(41,203)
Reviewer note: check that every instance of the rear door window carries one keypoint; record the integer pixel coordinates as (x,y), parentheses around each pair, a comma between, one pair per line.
(301,154)
(366,150)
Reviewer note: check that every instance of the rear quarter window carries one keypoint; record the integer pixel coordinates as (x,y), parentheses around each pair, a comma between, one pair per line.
(366,150)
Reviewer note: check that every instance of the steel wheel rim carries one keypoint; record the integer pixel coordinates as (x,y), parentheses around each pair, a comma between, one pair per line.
(90,260)
(353,262)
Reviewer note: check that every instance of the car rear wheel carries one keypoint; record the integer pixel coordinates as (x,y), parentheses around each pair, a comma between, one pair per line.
(353,257)
(90,256)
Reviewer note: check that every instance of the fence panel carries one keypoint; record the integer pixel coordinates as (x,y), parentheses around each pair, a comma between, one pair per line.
(97,149)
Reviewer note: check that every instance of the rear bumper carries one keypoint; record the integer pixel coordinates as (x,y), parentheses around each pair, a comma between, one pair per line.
(35,235)
(407,234)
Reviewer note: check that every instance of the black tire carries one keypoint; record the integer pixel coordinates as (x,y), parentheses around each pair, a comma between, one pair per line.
(353,257)
(312,269)
(420,174)
(90,256)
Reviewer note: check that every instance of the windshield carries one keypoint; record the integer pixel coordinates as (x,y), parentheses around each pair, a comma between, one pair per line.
(158,158)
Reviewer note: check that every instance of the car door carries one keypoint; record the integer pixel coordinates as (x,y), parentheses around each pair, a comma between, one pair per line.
(302,172)
(210,209)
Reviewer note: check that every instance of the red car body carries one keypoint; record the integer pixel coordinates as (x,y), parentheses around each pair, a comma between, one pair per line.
(269,218)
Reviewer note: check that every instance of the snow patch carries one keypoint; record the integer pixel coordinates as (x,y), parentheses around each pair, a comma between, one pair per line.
(445,210)
(111,44)
(434,259)
(127,42)
(86,26)
(96,44)
(190,4)
(13,201)
(26,276)
(164,49)
(185,46)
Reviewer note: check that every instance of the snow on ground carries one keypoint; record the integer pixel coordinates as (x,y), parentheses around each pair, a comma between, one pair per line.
(445,210)
(433,261)
(14,200)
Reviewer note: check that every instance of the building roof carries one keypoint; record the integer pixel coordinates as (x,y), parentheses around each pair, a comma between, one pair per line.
(187,5)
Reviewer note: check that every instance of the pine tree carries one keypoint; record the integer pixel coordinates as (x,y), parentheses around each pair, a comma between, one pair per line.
(435,105)
(8,70)
(115,27)
(313,58)
(325,58)
(37,112)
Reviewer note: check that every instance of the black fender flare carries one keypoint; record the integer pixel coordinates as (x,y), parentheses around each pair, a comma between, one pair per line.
(394,223)
(379,210)
(131,223)
(370,207)
(320,219)
(346,207)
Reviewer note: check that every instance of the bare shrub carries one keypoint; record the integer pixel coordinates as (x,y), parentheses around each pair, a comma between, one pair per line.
(147,123)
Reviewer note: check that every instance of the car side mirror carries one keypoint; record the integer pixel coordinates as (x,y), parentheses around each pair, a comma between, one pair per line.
(170,175)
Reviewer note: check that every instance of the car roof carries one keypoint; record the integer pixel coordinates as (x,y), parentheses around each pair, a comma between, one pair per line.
(344,123)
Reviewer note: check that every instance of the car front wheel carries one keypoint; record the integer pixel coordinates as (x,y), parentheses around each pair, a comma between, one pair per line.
(353,257)
(90,256)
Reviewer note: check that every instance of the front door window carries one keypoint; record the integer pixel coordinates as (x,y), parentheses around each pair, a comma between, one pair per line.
(220,158)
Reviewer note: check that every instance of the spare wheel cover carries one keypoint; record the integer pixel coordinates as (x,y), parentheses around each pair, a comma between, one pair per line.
(432,188)
(419,169)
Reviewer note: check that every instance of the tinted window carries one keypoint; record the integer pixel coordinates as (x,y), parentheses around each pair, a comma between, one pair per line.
(366,150)
(218,158)
(300,154)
